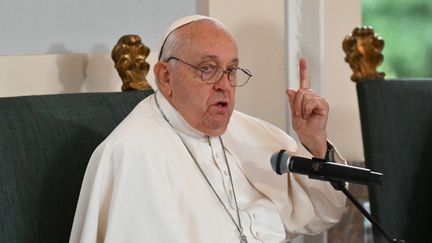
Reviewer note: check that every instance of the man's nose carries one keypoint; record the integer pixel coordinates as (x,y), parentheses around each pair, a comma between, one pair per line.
(224,80)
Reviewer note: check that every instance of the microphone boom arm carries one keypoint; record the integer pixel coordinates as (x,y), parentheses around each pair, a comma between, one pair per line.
(340,186)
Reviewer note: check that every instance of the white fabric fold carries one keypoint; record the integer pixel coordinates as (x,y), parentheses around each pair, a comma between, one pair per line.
(141,185)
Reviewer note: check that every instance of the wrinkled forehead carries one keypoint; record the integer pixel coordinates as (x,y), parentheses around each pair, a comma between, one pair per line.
(202,31)
(192,26)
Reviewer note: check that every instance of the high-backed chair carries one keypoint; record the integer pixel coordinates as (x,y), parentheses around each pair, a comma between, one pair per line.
(45,144)
(396,121)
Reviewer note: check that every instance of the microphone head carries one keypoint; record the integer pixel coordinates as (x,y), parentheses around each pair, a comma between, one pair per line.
(279,162)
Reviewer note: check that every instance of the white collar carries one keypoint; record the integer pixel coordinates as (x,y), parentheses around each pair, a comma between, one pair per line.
(175,118)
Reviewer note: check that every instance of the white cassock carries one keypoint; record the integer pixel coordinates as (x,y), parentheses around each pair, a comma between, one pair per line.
(142,185)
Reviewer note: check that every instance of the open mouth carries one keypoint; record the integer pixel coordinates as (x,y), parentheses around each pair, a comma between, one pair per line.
(222,104)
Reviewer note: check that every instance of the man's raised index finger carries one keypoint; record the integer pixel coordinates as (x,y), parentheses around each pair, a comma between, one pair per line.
(304,75)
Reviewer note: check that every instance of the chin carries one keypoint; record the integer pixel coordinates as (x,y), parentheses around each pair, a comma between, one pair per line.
(215,131)
(215,126)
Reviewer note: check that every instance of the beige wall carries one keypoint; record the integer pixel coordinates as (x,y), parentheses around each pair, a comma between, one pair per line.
(52,74)
(259,28)
(55,74)
(341,17)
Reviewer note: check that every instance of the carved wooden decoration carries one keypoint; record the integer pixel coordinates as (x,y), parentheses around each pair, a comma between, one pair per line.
(363,53)
(129,56)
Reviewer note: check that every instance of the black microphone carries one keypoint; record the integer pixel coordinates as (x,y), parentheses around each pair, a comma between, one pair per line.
(320,169)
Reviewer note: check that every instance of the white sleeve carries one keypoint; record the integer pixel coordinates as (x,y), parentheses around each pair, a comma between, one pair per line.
(325,202)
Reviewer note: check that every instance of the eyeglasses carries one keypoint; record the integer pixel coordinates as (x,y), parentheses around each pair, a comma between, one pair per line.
(210,74)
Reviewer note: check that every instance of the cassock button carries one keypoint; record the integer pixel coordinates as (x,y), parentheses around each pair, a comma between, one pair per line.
(226,172)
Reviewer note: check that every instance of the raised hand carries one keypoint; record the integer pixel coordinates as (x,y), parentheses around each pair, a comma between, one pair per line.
(309,114)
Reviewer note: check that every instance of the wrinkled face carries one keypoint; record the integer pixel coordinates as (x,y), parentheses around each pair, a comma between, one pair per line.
(206,107)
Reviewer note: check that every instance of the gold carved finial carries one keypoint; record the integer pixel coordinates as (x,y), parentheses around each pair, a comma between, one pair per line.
(129,56)
(363,53)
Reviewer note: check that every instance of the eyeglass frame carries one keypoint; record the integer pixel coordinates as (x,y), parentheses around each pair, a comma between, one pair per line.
(228,72)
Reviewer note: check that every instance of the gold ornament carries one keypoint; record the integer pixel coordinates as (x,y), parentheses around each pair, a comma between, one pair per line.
(129,56)
(363,53)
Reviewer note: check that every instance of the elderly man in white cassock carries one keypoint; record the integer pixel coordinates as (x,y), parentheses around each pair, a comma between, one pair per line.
(185,167)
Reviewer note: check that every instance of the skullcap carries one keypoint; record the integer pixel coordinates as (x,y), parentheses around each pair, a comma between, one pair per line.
(181,22)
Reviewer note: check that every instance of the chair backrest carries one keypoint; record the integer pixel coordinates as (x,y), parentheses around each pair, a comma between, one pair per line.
(396,120)
(45,144)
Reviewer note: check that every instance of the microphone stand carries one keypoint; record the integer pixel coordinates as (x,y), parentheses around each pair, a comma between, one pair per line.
(340,186)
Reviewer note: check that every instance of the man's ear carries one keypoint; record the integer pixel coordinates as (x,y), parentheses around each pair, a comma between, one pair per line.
(162,77)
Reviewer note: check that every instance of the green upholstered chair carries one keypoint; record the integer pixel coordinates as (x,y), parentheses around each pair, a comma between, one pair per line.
(45,144)
(396,121)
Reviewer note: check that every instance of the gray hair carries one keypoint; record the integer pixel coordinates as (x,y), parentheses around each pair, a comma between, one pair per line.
(173,40)
(172,43)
